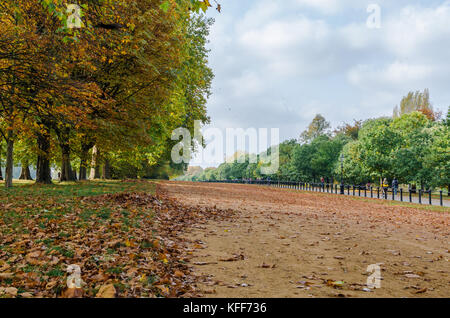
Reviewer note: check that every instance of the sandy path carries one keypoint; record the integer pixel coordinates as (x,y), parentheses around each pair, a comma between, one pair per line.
(290,244)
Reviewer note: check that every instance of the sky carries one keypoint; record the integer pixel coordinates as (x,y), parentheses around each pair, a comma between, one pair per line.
(278,63)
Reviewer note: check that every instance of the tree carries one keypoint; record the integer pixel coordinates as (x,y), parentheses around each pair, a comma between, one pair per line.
(317,159)
(349,130)
(318,127)
(135,71)
(437,158)
(378,143)
(354,169)
(416,101)
(414,145)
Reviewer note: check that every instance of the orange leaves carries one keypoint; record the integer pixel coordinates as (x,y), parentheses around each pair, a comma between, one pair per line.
(73,293)
(179,274)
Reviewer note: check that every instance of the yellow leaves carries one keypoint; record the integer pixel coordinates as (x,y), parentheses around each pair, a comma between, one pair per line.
(164,290)
(163,258)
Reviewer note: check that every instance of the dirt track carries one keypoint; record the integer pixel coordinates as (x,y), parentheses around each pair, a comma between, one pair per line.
(285,243)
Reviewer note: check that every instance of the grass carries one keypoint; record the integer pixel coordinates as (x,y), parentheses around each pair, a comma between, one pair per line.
(63,226)
(388,202)
(405,204)
(29,189)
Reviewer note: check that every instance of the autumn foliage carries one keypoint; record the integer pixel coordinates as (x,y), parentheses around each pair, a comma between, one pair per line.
(106,94)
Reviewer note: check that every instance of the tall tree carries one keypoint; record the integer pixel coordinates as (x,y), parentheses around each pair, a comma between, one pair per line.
(416,101)
(318,127)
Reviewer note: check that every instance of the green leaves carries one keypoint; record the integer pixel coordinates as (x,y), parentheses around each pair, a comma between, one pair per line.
(165,6)
(194,5)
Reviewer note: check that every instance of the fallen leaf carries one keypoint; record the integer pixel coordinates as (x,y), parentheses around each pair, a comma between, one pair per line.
(6,275)
(106,291)
(75,293)
(421,291)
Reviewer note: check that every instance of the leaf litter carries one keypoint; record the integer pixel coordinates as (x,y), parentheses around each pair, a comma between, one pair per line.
(126,245)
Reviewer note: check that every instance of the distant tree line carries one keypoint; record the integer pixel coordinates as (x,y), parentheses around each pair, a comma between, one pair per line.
(412,146)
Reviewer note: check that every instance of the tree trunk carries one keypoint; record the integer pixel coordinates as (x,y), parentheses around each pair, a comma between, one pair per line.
(95,167)
(1,176)
(74,174)
(106,173)
(43,172)
(9,160)
(66,167)
(25,173)
(84,161)
(82,173)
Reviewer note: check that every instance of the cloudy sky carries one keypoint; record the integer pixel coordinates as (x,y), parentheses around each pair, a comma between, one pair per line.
(280,62)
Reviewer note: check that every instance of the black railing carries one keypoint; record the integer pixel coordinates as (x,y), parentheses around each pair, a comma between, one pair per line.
(354,190)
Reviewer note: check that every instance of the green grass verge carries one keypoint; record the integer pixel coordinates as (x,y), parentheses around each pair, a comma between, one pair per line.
(381,201)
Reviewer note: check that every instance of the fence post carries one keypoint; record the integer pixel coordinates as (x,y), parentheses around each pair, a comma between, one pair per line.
(410,196)
(393,194)
(420,196)
(401,194)
(431,202)
(440,198)
(359,191)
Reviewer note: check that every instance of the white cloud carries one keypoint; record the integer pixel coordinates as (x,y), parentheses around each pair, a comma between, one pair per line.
(418,30)
(397,73)
(323,6)
(278,63)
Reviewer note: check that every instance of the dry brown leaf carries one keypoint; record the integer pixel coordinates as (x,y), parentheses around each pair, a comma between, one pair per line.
(106,291)
(6,275)
(74,293)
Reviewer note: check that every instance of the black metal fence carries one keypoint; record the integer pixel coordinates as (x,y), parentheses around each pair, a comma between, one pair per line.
(412,196)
